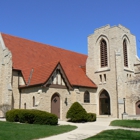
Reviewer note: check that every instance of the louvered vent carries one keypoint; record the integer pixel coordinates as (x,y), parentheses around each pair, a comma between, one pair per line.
(125,53)
(103,51)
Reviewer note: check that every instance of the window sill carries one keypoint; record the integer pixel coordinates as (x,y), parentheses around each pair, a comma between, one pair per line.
(128,70)
(103,70)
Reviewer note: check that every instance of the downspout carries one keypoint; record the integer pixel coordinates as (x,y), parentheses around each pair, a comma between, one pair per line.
(116,86)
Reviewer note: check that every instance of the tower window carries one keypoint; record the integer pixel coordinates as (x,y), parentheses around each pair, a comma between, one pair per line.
(125,53)
(105,77)
(103,53)
(100,78)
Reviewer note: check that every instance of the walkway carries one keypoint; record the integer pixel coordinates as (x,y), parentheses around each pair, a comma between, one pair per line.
(83,131)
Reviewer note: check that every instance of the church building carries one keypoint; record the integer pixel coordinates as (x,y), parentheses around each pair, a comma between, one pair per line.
(39,76)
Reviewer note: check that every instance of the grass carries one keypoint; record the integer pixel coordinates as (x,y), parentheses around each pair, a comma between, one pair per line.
(16,131)
(126,123)
(120,134)
(117,134)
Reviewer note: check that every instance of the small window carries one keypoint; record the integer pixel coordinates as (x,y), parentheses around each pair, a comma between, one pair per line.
(103,53)
(100,78)
(86,97)
(33,101)
(105,77)
(125,53)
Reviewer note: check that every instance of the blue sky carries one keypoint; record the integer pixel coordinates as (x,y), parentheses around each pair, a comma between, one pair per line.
(67,23)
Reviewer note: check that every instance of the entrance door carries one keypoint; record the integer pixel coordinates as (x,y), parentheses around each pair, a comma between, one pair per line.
(138,108)
(55,105)
(104,103)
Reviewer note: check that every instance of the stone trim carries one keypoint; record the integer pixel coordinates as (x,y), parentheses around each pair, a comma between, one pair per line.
(129,70)
(102,71)
(57,86)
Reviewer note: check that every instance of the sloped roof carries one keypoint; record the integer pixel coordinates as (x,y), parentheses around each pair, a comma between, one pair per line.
(42,58)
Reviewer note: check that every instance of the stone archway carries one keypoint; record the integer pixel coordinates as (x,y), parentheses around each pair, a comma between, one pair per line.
(55,105)
(138,107)
(104,103)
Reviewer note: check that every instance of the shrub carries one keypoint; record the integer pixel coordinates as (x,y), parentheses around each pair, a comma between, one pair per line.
(13,115)
(76,113)
(91,117)
(31,117)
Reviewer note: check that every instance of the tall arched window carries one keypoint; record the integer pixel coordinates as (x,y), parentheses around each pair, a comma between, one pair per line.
(103,53)
(33,101)
(86,97)
(125,53)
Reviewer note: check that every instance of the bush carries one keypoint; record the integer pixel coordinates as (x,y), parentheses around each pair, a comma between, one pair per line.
(13,115)
(31,117)
(77,113)
(91,117)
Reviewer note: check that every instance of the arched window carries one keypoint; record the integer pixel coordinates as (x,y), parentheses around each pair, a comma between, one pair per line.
(33,101)
(103,53)
(86,97)
(125,53)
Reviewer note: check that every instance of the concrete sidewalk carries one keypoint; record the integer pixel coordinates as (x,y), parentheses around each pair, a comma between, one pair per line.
(83,131)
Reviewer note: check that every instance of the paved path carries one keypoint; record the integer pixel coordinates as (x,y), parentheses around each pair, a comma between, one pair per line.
(83,131)
(86,130)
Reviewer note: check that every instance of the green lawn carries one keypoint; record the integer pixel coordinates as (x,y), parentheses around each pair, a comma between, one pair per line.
(118,134)
(126,123)
(16,131)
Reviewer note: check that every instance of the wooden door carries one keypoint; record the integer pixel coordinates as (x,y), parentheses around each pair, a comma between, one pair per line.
(104,103)
(55,105)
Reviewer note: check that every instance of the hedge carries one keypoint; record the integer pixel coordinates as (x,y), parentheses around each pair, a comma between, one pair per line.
(91,117)
(31,117)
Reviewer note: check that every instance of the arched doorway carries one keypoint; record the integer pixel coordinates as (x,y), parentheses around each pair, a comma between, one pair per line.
(138,107)
(55,105)
(104,103)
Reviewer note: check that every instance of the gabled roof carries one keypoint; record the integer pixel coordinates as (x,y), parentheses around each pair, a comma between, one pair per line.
(28,55)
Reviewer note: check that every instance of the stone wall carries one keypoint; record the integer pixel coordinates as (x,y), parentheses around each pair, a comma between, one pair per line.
(43,99)
(5,78)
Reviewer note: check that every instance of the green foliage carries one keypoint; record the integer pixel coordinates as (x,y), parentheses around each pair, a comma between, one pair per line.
(118,134)
(126,123)
(91,117)
(31,117)
(77,113)
(16,131)
(13,115)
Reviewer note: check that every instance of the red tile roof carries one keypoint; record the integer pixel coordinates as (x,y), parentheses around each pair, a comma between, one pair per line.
(42,58)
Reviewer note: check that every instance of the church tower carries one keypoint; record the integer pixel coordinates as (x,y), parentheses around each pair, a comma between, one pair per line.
(110,64)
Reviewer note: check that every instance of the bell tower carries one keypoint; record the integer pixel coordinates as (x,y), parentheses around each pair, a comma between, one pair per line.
(111,58)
